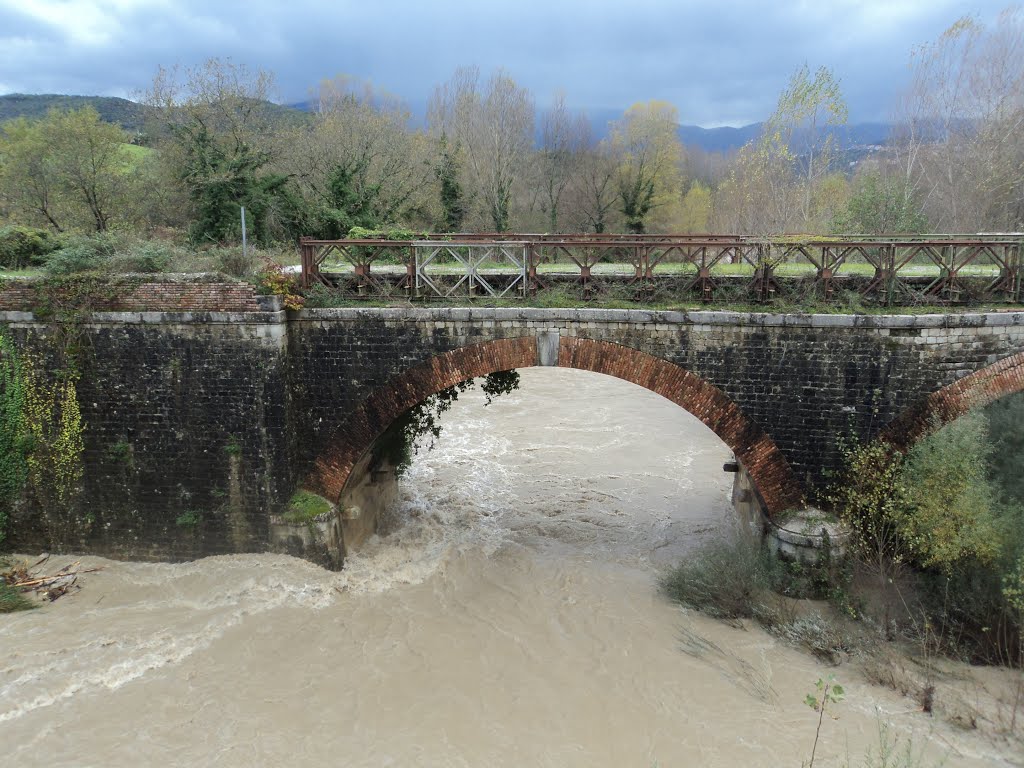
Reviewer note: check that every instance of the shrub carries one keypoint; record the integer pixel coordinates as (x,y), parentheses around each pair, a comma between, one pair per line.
(12,600)
(80,254)
(816,634)
(950,503)
(190,518)
(236,262)
(22,247)
(147,257)
(274,281)
(727,579)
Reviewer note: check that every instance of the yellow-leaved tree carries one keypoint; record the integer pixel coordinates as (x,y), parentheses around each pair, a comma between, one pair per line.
(650,157)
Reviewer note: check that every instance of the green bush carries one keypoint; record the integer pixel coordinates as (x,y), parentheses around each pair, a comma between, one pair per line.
(305,506)
(81,254)
(22,247)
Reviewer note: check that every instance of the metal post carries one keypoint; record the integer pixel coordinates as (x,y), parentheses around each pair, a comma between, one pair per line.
(245,249)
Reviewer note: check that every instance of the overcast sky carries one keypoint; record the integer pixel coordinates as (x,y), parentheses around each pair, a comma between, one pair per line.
(720,62)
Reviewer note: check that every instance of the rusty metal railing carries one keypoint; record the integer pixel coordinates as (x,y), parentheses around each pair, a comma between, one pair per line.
(887,270)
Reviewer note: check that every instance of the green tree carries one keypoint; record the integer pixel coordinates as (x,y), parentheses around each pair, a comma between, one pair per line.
(216,131)
(358,163)
(89,161)
(29,185)
(67,170)
(453,205)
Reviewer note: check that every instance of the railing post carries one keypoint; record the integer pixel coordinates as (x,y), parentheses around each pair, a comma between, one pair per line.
(306,252)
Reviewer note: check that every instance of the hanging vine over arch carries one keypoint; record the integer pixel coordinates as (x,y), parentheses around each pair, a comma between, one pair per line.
(399,443)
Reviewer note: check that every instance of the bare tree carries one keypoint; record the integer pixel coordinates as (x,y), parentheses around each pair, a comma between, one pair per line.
(563,139)
(493,128)
(960,137)
(775,179)
(592,200)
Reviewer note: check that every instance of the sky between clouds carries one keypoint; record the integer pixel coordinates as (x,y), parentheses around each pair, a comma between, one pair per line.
(720,63)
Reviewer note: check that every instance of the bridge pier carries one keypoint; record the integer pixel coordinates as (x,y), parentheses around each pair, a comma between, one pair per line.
(751,513)
(328,539)
(798,538)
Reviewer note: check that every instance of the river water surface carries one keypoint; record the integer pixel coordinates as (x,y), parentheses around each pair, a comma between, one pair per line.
(509,616)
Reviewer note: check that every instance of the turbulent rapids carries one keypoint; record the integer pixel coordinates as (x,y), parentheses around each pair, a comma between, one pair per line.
(508,614)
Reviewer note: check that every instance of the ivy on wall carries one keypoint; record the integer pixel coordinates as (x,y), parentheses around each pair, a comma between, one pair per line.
(53,425)
(13,467)
(41,443)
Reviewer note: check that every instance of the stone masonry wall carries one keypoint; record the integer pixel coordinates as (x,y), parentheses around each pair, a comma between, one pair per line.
(186,424)
(806,380)
(200,424)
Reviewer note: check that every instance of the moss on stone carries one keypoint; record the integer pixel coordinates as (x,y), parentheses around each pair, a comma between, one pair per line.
(305,506)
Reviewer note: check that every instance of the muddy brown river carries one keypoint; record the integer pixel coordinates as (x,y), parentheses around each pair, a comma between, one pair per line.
(509,616)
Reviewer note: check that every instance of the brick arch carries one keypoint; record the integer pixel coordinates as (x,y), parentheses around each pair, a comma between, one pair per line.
(976,390)
(768,469)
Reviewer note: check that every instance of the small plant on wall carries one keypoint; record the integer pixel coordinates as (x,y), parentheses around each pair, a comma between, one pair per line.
(274,281)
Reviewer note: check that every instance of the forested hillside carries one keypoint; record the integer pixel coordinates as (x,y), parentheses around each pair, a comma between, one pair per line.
(128,114)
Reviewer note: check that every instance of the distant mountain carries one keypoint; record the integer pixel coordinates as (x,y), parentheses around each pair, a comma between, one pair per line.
(727,139)
(128,114)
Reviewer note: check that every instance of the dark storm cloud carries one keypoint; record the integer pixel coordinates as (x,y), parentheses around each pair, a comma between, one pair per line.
(721,63)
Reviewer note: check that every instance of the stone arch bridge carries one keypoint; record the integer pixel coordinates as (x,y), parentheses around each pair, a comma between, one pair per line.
(204,415)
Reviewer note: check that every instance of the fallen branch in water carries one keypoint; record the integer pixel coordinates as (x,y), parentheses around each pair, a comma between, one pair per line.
(22,578)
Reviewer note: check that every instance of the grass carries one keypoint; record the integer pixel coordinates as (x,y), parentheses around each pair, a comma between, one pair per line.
(569,297)
(11,599)
(304,507)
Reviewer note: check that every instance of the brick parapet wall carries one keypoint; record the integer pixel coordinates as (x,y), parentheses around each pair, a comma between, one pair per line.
(139,294)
